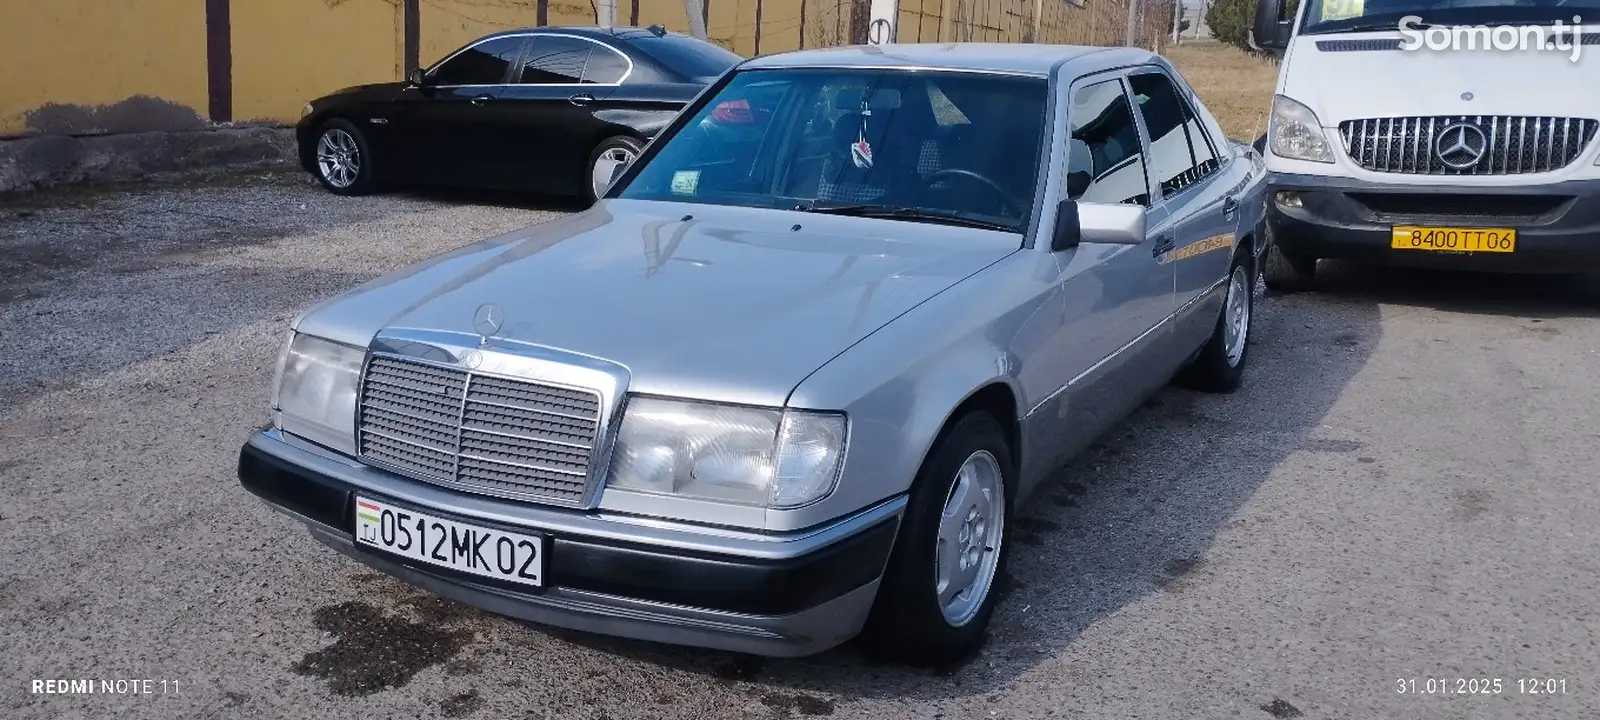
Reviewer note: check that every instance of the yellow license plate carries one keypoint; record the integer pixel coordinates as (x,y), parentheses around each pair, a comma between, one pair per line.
(1441,239)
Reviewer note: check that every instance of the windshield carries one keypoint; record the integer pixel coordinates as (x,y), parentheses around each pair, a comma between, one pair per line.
(1331,16)
(687,56)
(930,146)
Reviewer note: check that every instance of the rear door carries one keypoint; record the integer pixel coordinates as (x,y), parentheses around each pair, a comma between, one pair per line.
(1198,197)
(437,128)
(548,120)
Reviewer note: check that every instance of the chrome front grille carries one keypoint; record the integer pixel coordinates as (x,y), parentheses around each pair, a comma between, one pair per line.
(483,433)
(1513,144)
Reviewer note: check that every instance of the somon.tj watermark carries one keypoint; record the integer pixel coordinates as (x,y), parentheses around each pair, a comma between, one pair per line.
(1557,36)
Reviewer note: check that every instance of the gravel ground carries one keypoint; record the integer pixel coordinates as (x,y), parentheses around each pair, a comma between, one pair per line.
(1405,489)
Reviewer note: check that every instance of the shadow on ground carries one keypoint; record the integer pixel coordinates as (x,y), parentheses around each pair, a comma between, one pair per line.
(1135,515)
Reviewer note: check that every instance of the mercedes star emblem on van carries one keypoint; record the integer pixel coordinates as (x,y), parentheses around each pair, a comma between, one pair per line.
(1461,146)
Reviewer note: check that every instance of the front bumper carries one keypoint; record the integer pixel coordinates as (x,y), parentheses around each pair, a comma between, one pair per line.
(778,595)
(1557,224)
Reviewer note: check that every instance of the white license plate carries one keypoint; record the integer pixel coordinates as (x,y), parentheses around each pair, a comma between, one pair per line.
(511,557)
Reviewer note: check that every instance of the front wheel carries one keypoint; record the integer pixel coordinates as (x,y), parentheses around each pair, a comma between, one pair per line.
(610,154)
(344,161)
(937,594)
(1287,272)
(1220,365)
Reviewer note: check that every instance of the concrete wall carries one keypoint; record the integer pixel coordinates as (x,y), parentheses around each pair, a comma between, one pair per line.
(109,66)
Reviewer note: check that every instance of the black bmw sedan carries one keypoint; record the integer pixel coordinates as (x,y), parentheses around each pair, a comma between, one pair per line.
(549,110)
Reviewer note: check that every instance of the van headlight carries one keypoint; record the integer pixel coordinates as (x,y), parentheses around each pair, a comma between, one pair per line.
(1294,132)
(316,391)
(725,453)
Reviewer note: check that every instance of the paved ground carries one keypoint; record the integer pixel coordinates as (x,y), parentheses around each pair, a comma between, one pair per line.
(1404,490)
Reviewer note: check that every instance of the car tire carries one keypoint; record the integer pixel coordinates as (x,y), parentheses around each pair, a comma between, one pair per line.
(342,158)
(1287,272)
(1219,367)
(609,151)
(910,623)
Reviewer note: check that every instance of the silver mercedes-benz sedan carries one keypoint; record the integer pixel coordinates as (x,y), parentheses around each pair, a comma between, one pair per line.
(789,380)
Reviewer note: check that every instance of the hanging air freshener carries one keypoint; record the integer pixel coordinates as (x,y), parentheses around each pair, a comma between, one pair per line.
(861,151)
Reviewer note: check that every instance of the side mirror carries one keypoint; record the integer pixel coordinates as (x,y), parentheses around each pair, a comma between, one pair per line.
(415,77)
(1104,223)
(1271,29)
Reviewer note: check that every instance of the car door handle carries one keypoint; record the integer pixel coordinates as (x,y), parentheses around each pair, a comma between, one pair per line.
(581,99)
(1229,207)
(481,99)
(1163,244)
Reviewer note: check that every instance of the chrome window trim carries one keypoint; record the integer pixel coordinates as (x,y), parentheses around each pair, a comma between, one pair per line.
(904,68)
(532,34)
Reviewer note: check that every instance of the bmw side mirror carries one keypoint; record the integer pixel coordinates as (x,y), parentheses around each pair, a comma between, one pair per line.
(415,77)
(1105,223)
(1271,29)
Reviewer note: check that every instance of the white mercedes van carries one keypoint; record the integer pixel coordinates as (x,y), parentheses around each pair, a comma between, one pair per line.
(1451,133)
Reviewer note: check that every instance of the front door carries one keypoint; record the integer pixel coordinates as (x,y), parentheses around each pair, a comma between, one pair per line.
(548,123)
(436,128)
(1116,295)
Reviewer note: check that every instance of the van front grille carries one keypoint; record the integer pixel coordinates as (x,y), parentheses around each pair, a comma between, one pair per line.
(1467,144)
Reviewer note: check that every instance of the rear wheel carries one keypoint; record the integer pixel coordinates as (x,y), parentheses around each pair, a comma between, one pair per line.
(937,594)
(612,152)
(344,163)
(1220,365)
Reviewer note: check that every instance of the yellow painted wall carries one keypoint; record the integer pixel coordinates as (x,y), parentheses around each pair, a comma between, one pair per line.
(97,53)
(286,52)
(330,46)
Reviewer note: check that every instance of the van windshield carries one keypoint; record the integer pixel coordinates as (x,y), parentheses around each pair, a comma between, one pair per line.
(1336,16)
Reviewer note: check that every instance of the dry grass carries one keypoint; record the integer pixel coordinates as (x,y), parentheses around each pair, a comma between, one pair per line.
(1236,87)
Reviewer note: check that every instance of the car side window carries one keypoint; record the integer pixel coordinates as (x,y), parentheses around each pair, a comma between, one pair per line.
(482,64)
(1105,161)
(1173,134)
(555,60)
(605,67)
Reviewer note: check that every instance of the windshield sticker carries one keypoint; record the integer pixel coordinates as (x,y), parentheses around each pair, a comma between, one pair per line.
(684,182)
(1341,9)
(861,151)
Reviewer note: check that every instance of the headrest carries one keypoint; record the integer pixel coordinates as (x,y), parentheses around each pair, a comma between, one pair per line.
(1079,157)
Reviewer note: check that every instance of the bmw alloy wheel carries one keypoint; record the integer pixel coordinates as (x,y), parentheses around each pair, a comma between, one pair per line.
(970,532)
(606,164)
(338,158)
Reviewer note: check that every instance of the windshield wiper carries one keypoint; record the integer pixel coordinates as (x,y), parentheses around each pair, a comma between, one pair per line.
(905,212)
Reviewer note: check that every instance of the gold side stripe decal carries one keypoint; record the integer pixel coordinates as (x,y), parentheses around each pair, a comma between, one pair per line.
(1210,244)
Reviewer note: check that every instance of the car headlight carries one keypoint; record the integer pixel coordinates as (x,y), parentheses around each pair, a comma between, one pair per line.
(316,392)
(1295,133)
(305,110)
(747,456)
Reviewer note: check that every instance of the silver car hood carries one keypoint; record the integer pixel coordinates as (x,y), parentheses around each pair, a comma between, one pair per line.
(721,303)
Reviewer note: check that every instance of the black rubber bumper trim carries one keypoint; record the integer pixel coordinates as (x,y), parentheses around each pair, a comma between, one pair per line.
(1332,224)
(643,572)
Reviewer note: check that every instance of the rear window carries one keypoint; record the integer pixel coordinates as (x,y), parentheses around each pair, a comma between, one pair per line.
(687,56)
